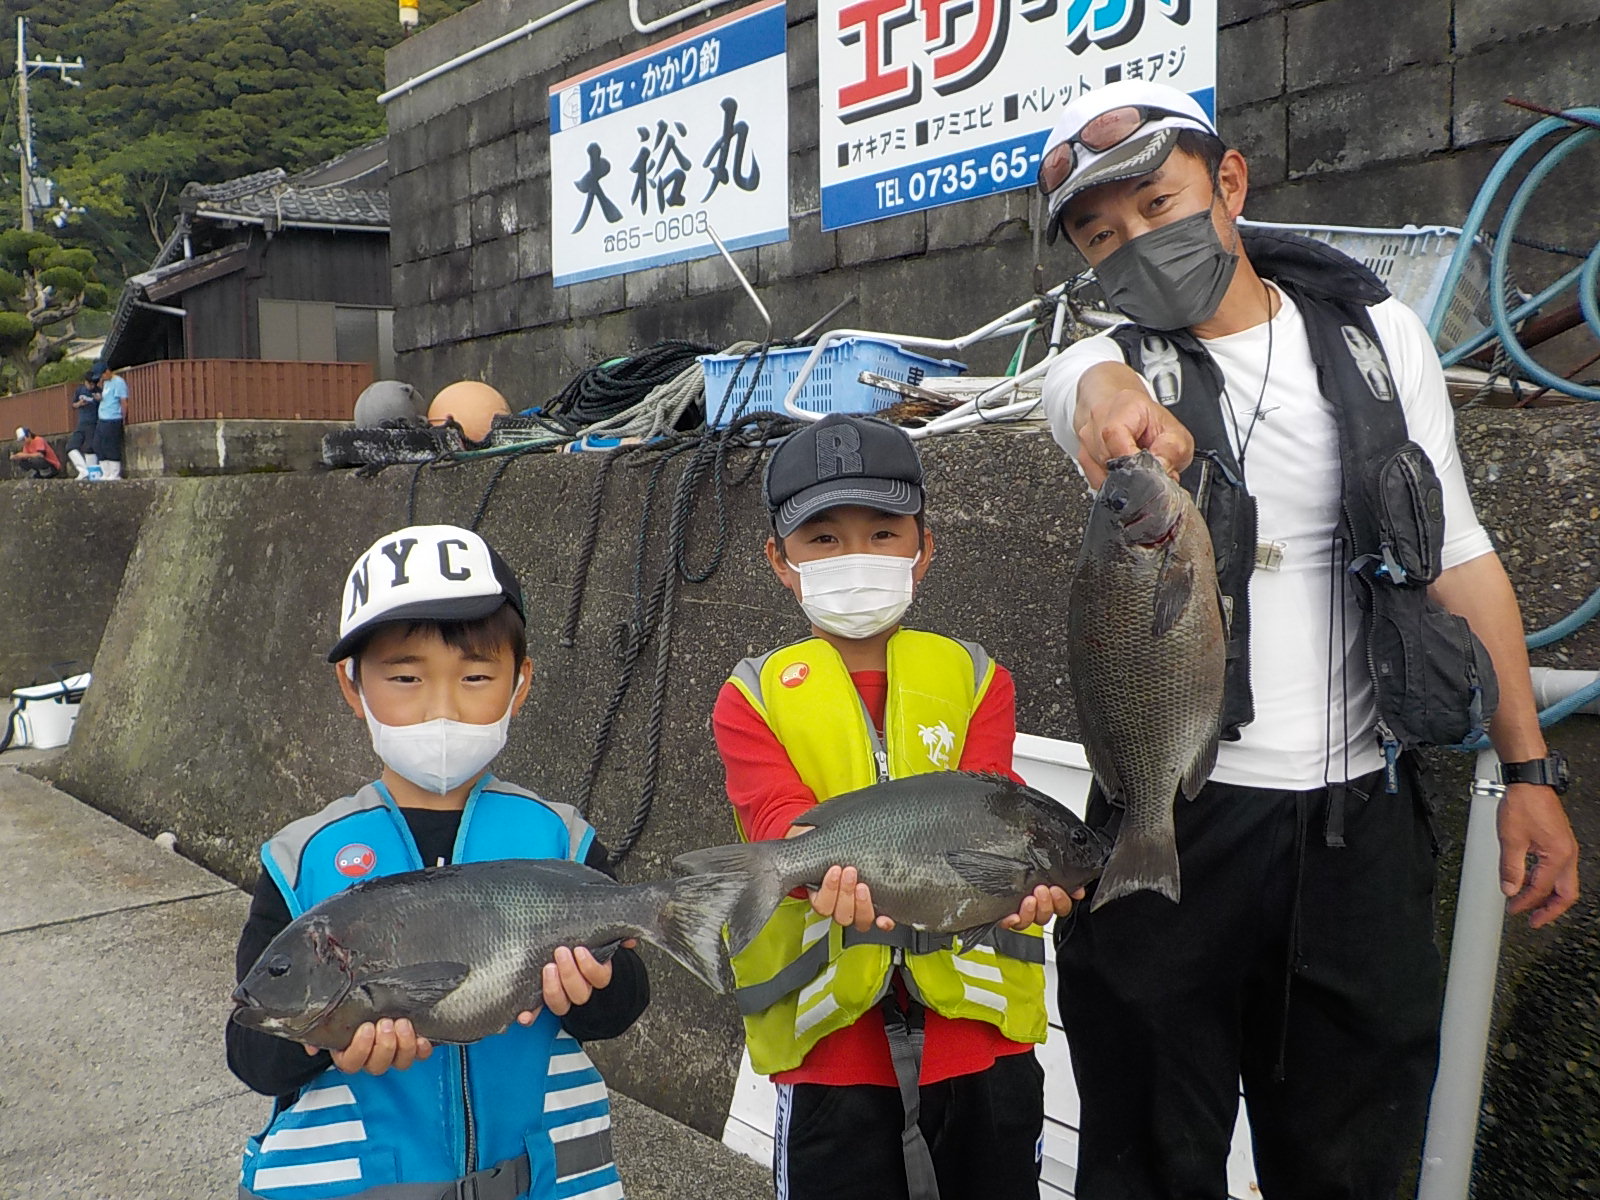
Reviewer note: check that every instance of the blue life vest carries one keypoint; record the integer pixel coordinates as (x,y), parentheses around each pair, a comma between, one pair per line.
(530,1089)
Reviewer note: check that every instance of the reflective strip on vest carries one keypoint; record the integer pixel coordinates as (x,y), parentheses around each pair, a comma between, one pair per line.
(804,976)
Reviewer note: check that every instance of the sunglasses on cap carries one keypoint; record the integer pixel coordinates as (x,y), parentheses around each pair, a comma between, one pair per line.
(1108,130)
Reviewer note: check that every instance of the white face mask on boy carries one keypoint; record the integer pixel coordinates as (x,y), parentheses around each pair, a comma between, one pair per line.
(856,595)
(441,754)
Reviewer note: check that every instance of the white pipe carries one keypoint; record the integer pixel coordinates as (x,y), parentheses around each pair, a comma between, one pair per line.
(489,47)
(641,26)
(522,31)
(325,226)
(1474,957)
(992,416)
(1468,998)
(162,308)
(1551,685)
(1005,323)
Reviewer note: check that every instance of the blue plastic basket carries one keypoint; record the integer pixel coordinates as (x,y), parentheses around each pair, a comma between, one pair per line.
(834,385)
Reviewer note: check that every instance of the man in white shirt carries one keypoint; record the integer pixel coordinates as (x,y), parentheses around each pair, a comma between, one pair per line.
(1301,959)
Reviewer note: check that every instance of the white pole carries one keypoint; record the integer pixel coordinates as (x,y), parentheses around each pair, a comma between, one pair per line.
(1468,998)
(23,125)
(1474,958)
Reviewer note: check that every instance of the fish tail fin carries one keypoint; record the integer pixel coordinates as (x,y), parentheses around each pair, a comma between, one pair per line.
(689,924)
(1140,862)
(764,887)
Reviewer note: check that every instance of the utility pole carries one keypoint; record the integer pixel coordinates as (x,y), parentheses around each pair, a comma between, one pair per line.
(24,122)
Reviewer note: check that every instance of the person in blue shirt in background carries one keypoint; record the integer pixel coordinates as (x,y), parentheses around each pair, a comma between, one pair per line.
(108,434)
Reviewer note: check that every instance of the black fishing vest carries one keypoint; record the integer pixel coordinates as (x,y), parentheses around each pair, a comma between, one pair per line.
(1433,679)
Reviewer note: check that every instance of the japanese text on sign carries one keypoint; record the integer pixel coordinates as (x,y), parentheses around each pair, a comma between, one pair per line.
(927,102)
(651,152)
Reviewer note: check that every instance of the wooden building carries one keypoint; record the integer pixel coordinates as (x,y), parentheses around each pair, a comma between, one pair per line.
(270,266)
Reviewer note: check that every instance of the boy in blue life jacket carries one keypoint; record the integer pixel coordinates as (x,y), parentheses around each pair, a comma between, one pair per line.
(432,655)
(879,1097)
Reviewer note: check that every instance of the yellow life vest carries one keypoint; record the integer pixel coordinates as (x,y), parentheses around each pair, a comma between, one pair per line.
(808,700)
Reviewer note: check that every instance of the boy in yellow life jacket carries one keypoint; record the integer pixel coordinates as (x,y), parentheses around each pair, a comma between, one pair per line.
(878,1096)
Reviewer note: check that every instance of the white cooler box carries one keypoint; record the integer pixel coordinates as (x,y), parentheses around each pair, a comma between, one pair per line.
(42,716)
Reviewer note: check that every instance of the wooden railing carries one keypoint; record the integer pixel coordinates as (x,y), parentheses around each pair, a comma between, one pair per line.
(204,389)
(43,410)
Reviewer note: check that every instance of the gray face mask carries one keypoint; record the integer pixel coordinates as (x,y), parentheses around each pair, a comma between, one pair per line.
(1169,278)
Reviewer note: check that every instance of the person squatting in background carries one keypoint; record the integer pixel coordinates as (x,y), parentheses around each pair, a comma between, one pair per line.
(35,455)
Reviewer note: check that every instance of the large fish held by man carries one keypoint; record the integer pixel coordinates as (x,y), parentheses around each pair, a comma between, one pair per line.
(947,852)
(1146,652)
(458,950)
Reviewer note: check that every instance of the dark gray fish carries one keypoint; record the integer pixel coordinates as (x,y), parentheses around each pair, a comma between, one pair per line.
(948,852)
(458,950)
(1146,651)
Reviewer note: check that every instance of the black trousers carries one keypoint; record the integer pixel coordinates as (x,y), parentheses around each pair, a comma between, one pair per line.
(108,440)
(983,1130)
(83,438)
(1308,971)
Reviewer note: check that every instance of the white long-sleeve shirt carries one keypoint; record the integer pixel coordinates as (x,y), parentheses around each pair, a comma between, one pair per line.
(1311,725)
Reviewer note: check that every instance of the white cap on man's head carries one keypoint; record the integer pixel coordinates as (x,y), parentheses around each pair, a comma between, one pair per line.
(1138,155)
(22,434)
(423,573)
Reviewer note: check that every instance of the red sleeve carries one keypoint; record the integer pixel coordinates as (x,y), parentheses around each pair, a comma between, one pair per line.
(763,785)
(993,729)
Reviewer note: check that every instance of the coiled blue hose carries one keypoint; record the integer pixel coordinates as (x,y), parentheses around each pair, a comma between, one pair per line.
(1586,276)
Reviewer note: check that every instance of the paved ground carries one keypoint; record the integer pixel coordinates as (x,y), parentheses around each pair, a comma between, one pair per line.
(115,967)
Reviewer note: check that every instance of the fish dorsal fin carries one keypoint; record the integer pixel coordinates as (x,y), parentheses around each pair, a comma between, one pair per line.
(993,874)
(566,868)
(417,986)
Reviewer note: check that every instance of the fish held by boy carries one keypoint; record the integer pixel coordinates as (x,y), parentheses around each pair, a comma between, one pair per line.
(1146,653)
(458,950)
(947,852)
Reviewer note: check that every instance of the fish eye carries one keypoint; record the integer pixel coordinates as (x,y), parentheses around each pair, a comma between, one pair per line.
(278,965)
(1080,836)
(1118,501)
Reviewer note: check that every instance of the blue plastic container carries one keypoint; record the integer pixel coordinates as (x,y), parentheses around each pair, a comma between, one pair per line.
(834,385)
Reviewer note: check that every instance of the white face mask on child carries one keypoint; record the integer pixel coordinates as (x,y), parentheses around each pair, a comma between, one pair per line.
(856,595)
(441,754)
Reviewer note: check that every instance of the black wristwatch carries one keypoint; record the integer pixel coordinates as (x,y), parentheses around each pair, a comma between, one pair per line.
(1550,771)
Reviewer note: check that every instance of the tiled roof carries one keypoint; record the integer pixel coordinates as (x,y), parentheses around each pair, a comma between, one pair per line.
(349,190)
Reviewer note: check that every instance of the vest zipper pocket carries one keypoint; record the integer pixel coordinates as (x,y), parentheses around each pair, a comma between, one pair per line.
(1408,502)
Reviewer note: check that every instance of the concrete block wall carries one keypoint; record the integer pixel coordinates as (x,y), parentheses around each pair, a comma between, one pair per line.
(1352,112)
(1369,112)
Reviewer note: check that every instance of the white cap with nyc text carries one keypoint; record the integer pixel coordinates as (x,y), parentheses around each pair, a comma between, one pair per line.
(423,573)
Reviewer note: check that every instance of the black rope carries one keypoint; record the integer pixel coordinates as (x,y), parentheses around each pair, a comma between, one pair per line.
(488,490)
(655,606)
(1548,247)
(611,387)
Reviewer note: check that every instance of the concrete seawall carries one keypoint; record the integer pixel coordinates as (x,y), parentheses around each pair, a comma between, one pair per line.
(213,715)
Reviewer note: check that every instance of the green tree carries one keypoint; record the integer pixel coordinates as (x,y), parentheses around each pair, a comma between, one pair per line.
(43,286)
(173,93)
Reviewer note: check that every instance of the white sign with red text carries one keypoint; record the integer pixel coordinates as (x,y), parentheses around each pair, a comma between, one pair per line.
(929,102)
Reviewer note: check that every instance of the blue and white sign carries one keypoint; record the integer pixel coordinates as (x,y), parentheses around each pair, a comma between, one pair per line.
(649,152)
(929,102)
